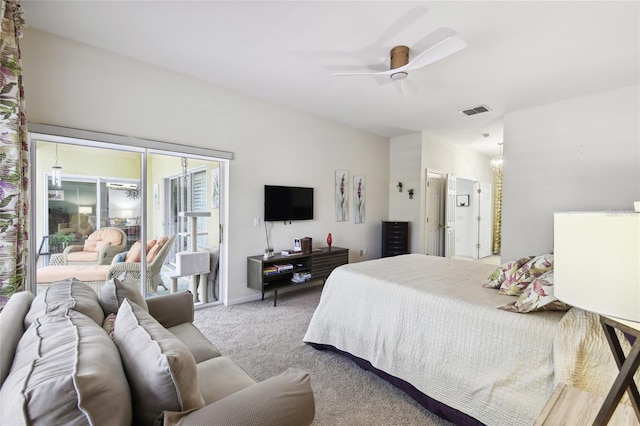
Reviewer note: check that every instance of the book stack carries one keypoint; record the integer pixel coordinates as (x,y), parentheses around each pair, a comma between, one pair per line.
(270,270)
(301,277)
(284,268)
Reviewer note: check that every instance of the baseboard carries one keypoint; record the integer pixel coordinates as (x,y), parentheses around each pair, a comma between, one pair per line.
(244,299)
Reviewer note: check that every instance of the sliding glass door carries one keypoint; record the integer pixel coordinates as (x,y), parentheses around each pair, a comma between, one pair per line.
(141,193)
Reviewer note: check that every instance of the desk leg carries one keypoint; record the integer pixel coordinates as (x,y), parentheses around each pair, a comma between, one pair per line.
(174,285)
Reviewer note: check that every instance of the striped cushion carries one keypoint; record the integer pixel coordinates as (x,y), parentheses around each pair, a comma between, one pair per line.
(66,371)
(63,295)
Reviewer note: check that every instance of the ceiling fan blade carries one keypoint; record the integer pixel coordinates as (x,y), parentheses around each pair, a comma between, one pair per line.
(446,47)
(409,88)
(388,72)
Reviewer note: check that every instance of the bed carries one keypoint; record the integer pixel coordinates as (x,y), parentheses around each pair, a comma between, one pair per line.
(428,326)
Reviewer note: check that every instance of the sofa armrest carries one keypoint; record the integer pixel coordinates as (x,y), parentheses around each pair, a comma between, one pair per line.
(285,399)
(172,309)
(72,248)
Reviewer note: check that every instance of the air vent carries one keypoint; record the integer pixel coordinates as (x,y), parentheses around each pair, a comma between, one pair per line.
(477,110)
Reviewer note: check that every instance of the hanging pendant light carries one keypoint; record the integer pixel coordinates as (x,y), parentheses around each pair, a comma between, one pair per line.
(56,173)
(498,162)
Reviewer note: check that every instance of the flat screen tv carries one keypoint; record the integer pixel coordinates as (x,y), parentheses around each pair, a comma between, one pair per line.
(287,203)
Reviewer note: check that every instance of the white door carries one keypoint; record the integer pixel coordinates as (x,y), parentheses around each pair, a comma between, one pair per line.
(450,218)
(484,221)
(434,214)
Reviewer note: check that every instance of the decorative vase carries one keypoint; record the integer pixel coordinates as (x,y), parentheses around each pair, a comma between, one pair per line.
(329,240)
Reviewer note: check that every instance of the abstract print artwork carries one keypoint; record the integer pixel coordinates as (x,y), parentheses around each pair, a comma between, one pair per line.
(359,185)
(342,199)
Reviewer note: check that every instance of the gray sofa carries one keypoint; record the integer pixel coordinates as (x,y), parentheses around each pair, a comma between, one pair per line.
(71,356)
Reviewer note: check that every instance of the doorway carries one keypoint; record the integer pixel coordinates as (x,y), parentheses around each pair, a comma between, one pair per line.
(435,201)
(458,216)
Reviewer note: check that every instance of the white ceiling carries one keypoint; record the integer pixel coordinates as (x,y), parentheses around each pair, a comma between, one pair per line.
(518,55)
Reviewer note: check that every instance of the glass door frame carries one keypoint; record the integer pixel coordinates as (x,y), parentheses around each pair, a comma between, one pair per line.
(63,135)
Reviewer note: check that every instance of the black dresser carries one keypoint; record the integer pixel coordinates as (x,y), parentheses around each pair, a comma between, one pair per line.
(395,238)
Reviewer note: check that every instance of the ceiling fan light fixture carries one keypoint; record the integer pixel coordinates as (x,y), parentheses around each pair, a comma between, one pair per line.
(399,76)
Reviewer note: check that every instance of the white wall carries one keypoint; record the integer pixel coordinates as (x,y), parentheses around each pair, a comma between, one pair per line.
(71,84)
(578,154)
(404,166)
(410,155)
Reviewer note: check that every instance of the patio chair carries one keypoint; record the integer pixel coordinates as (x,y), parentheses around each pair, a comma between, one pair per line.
(98,249)
(155,259)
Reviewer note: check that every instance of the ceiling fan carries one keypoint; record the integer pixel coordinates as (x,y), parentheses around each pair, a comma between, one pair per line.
(443,43)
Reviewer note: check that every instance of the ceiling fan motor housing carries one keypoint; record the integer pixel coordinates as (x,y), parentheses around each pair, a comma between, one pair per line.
(399,58)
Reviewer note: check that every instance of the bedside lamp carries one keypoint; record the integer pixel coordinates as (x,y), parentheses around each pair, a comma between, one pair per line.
(597,268)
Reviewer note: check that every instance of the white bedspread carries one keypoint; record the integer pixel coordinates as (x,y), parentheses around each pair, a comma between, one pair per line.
(428,321)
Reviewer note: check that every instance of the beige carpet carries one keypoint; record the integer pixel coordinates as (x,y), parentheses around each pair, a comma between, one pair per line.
(265,340)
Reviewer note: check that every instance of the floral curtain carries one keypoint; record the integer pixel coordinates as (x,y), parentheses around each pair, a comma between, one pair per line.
(14,156)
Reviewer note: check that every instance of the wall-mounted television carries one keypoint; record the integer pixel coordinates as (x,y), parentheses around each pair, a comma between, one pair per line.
(287,203)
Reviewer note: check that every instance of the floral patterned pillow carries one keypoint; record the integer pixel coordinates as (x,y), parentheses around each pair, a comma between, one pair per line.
(537,296)
(109,324)
(529,271)
(506,272)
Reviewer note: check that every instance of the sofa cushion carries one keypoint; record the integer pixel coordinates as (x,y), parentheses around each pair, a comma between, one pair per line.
(221,377)
(83,256)
(199,346)
(161,370)
(12,328)
(135,252)
(153,251)
(66,371)
(53,273)
(66,294)
(102,244)
(112,237)
(95,236)
(113,293)
(90,245)
(285,399)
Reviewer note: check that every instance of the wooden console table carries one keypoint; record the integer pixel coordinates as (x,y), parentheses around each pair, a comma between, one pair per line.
(319,263)
(569,406)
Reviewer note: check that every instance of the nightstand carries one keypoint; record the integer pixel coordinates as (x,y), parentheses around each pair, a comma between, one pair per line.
(571,406)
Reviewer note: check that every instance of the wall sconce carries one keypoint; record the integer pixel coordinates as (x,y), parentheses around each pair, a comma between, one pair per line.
(399,186)
(411,194)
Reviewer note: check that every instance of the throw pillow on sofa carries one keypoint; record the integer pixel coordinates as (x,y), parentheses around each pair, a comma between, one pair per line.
(115,291)
(66,370)
(161,370)
(63,295)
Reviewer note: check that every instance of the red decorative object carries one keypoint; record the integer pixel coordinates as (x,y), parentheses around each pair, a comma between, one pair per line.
(329,240)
